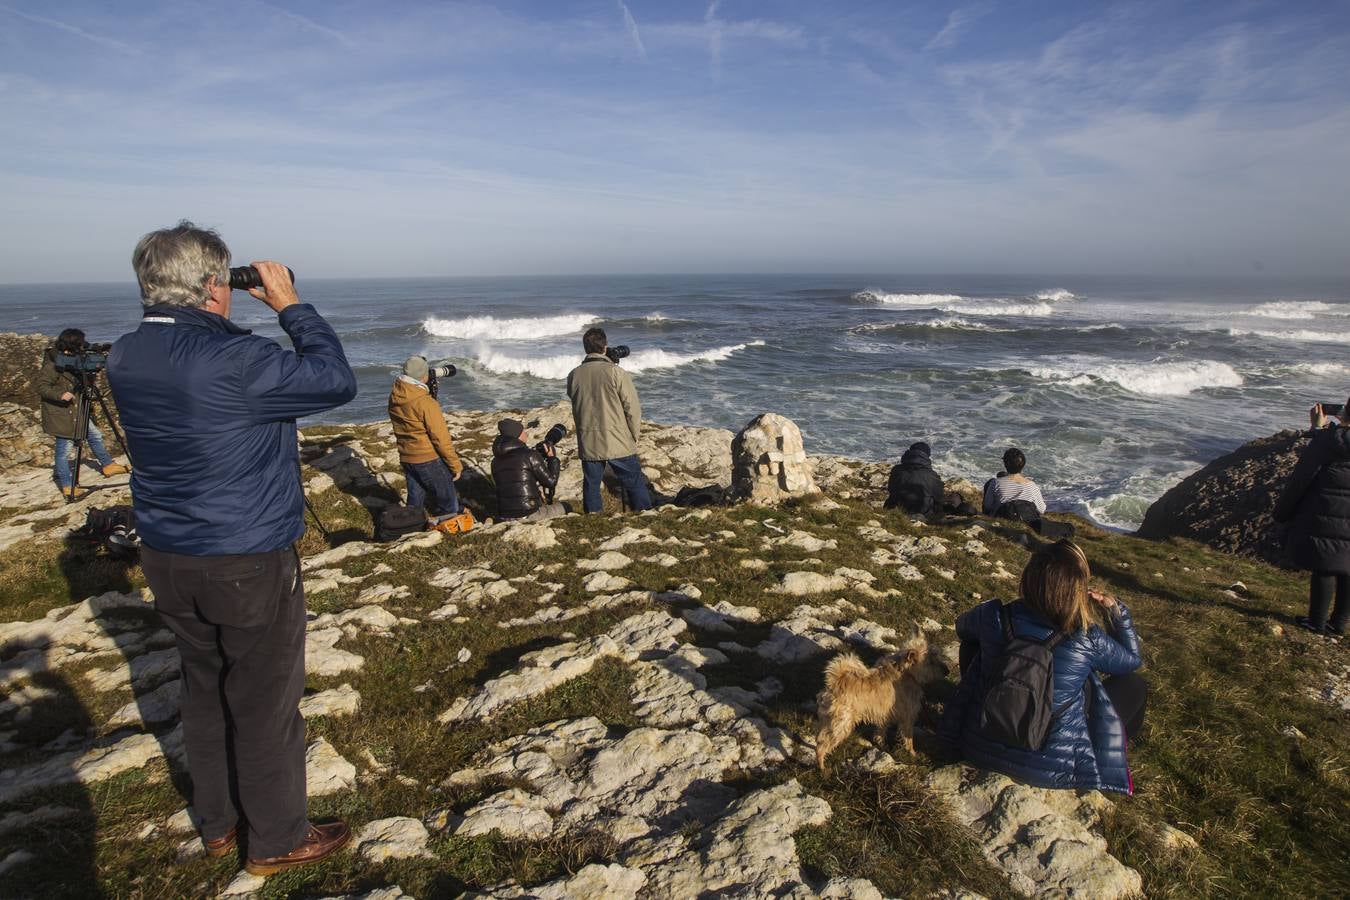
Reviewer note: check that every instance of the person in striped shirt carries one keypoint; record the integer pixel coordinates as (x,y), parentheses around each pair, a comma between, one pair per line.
(1011,485)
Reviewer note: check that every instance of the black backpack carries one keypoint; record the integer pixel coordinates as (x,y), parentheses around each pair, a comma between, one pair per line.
(1019,689)
(114,530)
(709,495)
(1019,511)
(395,521)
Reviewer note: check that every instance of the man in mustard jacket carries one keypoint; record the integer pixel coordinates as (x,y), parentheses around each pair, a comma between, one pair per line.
(424,447)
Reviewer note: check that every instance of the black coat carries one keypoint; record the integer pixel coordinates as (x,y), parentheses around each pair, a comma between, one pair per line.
(914,486)
(1316,503)
(520,472)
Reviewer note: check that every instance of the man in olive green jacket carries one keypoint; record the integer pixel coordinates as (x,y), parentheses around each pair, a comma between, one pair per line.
(608,420)
(58,390)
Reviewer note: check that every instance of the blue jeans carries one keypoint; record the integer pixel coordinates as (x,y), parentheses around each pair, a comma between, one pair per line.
(629,471)
(435,480)
(61,466)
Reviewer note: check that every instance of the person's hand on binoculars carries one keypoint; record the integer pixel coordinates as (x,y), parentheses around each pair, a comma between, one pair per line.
(277,291)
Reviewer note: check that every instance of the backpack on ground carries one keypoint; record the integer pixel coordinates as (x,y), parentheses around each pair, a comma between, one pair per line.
(708,495)
(1019,511)
(1052,530)
(394,521)
(457,524)
(1017,709)
(113,529)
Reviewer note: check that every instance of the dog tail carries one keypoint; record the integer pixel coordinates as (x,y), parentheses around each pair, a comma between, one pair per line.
(843,671)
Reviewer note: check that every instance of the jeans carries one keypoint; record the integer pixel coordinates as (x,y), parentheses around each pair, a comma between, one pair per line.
(432,479)
(629,470)
(239,623)
(61,466)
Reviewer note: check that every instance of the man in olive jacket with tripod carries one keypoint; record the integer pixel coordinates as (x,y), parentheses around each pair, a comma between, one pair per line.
(608,418)
(61,390)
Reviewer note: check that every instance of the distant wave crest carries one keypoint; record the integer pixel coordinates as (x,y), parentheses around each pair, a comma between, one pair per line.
(1162,379)
(557,367)
(1058,295)
(955,303)
(1290,309)
(923,300)
(1301,335)
(522,329)
(1001,308)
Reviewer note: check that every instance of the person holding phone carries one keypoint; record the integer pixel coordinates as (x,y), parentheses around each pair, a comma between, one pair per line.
(1315,505)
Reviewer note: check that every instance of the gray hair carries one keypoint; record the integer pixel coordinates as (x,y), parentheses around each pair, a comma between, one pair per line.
(174,264)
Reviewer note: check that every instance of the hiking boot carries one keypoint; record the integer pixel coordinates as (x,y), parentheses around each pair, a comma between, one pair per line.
(112,469)
(321,842)
(70,492)
(218,847)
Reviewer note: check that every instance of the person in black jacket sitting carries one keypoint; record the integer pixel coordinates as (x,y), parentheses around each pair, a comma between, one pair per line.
(521,473)
(1315,504)
(918,490)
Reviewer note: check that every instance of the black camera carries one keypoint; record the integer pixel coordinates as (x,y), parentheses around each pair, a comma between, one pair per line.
(616,353)
(243,278)
(551,439)
(1332,409)
(89,359)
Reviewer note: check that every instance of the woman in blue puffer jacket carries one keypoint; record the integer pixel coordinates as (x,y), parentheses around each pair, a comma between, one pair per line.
(1085,746)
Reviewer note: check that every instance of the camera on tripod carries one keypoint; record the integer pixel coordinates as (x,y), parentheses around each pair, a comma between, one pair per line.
(88,359)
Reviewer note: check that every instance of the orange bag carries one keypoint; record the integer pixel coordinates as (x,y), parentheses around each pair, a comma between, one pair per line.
(456,524)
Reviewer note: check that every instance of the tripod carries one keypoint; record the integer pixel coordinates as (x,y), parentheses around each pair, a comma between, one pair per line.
(86,395)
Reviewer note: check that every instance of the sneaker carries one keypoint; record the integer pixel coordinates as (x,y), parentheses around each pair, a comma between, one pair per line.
(321,842)
(1305,622)
(114,469)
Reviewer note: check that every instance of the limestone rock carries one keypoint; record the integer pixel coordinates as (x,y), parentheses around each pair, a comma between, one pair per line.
(393,892)
(604,581)
(398,837)
(160,705)
(334,702)
(605,562)
(512,813)
(323,658)
(531,534)
(242,886)
(592,882)
(325,771)
(1044,840)
(91,765)
(768,461)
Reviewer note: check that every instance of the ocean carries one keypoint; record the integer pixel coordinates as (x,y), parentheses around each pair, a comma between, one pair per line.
(1115,388)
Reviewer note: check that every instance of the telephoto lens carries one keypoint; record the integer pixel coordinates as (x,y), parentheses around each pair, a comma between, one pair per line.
(245,278)
(446,371)
(555,434)
(617,353)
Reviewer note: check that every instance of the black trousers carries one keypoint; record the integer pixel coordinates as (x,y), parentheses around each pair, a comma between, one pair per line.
(1323,587)
(240,628)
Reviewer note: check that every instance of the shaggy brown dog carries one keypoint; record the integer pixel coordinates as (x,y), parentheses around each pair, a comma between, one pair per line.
(888,695)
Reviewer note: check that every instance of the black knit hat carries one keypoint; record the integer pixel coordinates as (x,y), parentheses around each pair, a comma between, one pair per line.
(511,428)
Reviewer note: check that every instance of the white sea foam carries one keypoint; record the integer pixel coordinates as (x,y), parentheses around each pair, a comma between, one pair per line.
(1301,335)
(557,367)
(1058,295)
(1322,368)
(529,328)
(1000,308)
(922,300)
(1290,309)
(1163,379)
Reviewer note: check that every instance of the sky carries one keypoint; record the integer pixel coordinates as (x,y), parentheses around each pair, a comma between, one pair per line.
(393,139)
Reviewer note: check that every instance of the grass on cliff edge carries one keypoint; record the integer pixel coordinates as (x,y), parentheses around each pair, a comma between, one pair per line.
(1268,811)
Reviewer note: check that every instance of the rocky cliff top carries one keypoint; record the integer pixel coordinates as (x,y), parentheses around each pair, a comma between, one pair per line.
(1227,504)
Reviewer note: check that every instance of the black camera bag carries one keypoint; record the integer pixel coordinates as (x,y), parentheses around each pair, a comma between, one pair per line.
(395,521)
(1017,707)
(708,495)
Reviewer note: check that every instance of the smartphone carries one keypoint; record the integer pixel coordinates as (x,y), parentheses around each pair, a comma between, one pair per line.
(1332,409)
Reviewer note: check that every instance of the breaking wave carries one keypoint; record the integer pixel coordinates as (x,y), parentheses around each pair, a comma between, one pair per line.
(1058,295)
(522,329)
(955,303)
(1290,309)
(1001,308)
(557,367)
(1302,335)
(1160,379)
(922,300)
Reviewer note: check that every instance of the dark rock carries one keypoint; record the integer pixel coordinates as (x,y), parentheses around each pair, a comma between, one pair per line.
(1227,504)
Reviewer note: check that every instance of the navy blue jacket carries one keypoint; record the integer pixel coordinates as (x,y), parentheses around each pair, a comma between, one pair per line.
(1316,503)
(209,411)
(1085,748)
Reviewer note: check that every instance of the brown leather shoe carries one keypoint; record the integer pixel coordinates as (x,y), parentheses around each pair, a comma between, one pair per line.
(218,847)
(321,842)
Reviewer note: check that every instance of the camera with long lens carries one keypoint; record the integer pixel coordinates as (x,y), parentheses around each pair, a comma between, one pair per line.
(89,359)
(243,278)
(551,439)
(616,353)
(437,372)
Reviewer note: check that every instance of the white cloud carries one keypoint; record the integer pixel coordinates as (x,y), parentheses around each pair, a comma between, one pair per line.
(633,33)
(957,20)
(100,39)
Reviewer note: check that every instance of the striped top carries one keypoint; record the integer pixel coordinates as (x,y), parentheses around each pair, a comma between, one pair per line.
(1004,489)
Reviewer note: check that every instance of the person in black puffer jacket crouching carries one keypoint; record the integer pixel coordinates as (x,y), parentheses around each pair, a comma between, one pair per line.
(522,474)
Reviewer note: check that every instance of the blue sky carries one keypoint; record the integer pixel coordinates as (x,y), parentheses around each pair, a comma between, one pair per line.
(585,136)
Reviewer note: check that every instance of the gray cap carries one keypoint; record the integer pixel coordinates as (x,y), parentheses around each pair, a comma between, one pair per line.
(511,428)
(416,367)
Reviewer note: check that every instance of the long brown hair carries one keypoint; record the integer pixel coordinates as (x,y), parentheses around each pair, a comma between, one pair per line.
(1055,584)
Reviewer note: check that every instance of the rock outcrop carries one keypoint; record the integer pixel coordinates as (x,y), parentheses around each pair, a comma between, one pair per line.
(1227,504)
(768,461)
